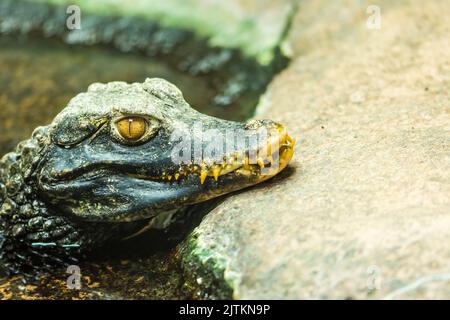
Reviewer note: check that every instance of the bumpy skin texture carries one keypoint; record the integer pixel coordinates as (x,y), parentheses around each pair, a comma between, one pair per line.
(26,224)
(77,183)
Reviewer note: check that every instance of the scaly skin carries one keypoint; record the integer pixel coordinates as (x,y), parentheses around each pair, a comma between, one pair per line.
(89,177)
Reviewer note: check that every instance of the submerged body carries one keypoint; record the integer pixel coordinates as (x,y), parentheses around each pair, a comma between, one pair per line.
(121,159)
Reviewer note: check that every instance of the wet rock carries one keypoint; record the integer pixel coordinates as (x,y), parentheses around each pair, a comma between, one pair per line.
(363,209)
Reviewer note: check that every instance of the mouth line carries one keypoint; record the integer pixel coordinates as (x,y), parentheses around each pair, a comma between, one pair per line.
(272,157)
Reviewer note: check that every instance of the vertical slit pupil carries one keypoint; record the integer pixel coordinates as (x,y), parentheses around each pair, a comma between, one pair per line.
(132,128)
(130,120)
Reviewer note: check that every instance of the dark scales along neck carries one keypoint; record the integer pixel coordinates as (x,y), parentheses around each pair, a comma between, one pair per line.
(31,237)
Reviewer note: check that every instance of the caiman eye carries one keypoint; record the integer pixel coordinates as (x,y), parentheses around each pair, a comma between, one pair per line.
(132,128)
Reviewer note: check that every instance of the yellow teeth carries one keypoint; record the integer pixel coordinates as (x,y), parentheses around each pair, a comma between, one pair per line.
(216,172)
(288,139)
(177,175)
(203,175)
(260,162)
(245,163)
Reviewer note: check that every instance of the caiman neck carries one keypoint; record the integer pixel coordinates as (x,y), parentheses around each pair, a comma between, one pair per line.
(25,221)
(18,201)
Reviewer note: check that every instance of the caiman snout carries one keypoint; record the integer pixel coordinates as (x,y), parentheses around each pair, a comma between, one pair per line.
(257,150)
(273,154)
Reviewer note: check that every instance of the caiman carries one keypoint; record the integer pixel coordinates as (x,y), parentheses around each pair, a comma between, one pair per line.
(110,166)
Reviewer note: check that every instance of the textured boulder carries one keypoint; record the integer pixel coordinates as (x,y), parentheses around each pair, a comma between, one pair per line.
(364,209)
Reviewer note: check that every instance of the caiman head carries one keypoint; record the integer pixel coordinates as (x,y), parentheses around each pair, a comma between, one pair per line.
(130,154)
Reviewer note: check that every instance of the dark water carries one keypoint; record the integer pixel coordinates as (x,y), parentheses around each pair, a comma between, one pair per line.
(37,79)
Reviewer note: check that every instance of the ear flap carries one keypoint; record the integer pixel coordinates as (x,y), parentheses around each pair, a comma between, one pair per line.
(163,90)
(72,130)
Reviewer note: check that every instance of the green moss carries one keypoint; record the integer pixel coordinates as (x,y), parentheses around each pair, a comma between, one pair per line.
(204,271)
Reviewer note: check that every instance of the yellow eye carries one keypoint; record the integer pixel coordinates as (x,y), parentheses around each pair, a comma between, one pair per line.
(132,128)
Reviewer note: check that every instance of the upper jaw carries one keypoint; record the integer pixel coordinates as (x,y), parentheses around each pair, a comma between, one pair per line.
(257,163)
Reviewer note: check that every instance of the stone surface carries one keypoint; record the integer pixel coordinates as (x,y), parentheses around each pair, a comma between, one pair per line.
(255,26)
(364,209)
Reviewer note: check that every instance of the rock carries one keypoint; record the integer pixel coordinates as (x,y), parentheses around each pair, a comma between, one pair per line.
(363,211)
